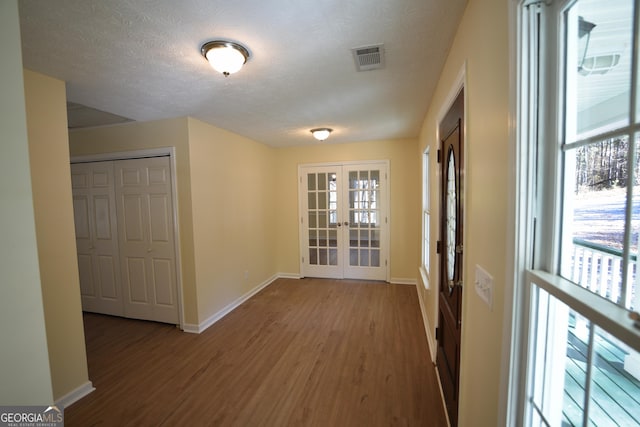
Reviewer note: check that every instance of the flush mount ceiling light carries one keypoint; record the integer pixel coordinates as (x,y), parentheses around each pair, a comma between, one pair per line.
(225,56)
(321,133)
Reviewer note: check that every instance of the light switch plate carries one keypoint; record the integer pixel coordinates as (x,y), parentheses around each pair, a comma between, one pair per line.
(484,286)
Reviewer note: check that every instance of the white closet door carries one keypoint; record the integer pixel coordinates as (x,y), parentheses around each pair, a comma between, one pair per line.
(97,237)
(146,237)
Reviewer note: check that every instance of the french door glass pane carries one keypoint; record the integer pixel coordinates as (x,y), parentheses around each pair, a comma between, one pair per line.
(364,218)
(599,35)
(322,197)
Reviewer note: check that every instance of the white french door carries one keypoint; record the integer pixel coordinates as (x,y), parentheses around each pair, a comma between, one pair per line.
(344,220)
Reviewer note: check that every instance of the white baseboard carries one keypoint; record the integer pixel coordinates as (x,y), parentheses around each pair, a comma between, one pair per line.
(288,276)
(433,345)
(74,395)
(197,329)
(444,402)
(400,281)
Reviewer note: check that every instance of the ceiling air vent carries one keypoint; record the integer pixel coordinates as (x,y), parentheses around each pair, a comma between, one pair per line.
(369,57)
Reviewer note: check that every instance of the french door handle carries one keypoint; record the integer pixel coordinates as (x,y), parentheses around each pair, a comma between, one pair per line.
(346,223)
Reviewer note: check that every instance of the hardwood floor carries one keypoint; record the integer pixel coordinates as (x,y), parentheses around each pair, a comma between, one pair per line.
(307,352)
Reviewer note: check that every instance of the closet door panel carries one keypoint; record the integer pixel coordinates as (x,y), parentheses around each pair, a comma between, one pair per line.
(97,237)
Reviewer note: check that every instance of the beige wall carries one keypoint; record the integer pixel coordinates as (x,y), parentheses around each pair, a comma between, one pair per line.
(226,205)
(51,186)
(234,213)
(481,41)
(25,377)
(404,171)
(139,136)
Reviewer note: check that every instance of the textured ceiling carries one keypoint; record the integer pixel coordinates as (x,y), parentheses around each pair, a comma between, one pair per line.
(141,59)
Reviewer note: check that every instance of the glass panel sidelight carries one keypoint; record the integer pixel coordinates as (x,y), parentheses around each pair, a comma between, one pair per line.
(364,214)
(322,197)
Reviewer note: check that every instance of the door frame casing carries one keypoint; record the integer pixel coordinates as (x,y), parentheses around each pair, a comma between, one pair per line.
(153,152)
(387,197)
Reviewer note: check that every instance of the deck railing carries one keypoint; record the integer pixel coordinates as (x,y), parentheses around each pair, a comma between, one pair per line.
(599,269)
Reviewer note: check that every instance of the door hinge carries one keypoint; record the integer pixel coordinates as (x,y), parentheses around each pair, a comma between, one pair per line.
(438,247)
(386,263)
(303,260)
(386,220)
(438,155)
(437,334)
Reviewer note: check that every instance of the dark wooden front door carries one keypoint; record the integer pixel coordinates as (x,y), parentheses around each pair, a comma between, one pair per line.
(451,231)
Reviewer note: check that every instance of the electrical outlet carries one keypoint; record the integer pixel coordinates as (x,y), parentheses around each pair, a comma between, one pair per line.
(484,286)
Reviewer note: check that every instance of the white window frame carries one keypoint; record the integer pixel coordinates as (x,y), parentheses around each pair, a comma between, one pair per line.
(529,266)
(425,269)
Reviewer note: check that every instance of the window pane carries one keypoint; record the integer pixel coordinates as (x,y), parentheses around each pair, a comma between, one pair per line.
(322,219)
(553,390)
(375,238)
(323,256)
(364,257)
(353,257)
(312,200)
(364,238)
(595,201)
(576,369)
(425,251)
(353,238)
(375,179)
(633,284)
(333,256)
(353,180)
(375,258)
(322,181)
(322,239)
(333,238)
(322,200)
(571,357)
(615,392)
(313,238)
(598,66)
